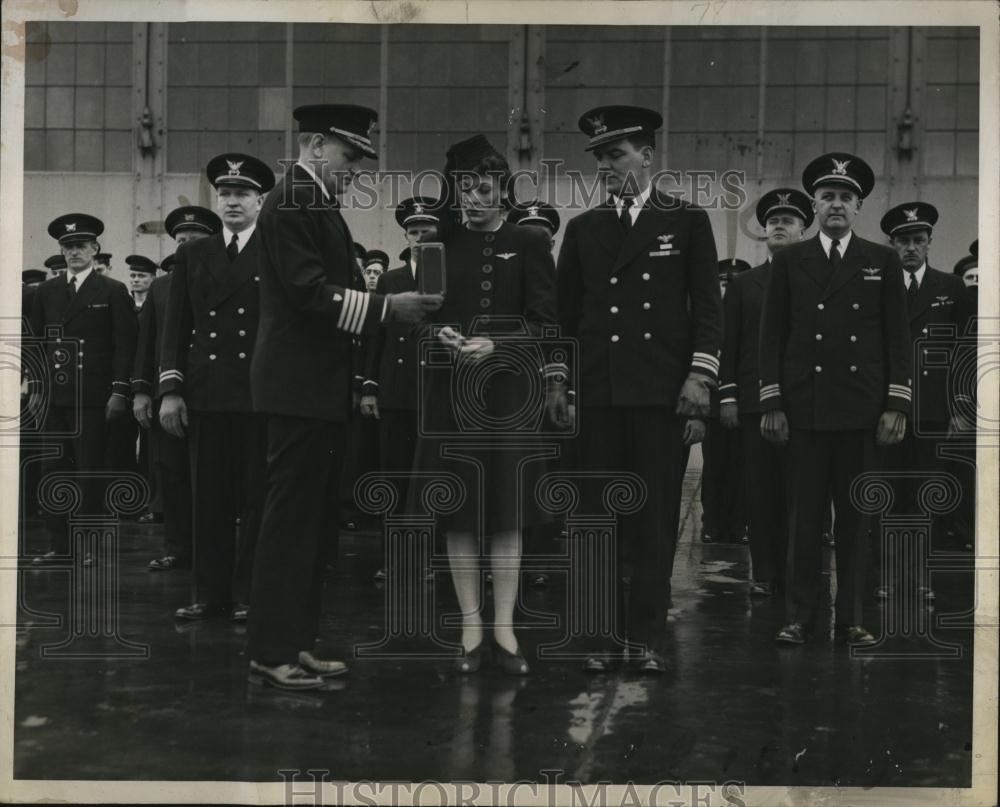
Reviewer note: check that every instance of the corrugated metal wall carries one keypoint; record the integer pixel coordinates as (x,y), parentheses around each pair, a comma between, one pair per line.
(762,101)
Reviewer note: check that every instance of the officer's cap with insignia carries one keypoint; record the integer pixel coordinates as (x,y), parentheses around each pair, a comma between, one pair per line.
(732,266)
(909,217)
(839,168)
(376,256)
(55,262)
(240,170)
(33,276)
(965,264)
(192,217)
(353,124)
(76,227)
(404,256)
(418,209)
(140,263)
(605,124)
(167,264)
(785,200)
(537,213)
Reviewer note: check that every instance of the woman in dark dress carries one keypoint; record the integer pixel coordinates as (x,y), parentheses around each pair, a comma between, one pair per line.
(484,395)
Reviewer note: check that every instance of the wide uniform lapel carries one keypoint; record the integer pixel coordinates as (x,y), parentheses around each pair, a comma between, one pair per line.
(854,259)
(815,264)
(229,277)
(84,296)
(925,295)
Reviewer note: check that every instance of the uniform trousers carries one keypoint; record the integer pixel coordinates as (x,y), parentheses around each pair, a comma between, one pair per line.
(643,440)
(227,453)
(298,532)
(765,471)
(168,456)
(81,436)
(818,462)
(397,440)
(722,483)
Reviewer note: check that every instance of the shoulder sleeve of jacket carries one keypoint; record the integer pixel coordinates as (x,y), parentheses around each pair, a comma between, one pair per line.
(126,327)
(569,292)
(291,241)
(177,328)
(896,336)
(703,293)
(374,345)
(732,306)
(774,325)
(963,380)
(145,360)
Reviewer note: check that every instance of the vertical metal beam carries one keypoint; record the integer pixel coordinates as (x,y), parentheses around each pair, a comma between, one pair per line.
(535,92)
(900,174)
(291,149)
(761,106)
(515,94)
(668,57)
(149,80)
(383,97)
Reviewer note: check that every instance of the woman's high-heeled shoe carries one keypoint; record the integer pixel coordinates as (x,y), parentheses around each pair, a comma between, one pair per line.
(471,661)
(510,663)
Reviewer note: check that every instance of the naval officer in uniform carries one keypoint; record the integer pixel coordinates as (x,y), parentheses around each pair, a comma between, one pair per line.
(301,382)
(784,214)
(204,386)
(637,287)
(835,376)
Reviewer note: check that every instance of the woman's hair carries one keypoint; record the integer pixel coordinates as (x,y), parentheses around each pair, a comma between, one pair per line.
(494,166)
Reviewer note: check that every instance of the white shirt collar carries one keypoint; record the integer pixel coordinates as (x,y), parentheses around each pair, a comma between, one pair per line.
(308,169)
(241,237)
(638,203)
(826,241)
(918,275)
(80,276)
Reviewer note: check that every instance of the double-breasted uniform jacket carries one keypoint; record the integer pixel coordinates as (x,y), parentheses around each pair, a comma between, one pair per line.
(739,379)
(93,357)
(938,320)
(835,346)
(152,318)
(213,308)
(645,306)
(391,353)
(309,307)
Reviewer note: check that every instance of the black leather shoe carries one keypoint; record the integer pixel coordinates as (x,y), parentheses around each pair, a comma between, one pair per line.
(284,676)
(883,592)
(167,563)
(43,560)
(239,613)
(510,663)
(538,580)
(706,538)
(471,660)
(792,633)
(854,635)
(324,668)
(150,518)
(197,611)
(649,663)
(379,576)
(598,664)
(761,588)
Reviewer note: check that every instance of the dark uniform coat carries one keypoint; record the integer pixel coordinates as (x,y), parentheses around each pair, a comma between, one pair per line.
(739,376)
(101,318)
(835,348)
(211,325)
(391,353)
(152,317)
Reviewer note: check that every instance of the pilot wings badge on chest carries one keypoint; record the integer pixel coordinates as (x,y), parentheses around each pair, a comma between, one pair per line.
(506,255)
(942,299)
(664,246)
(872,272)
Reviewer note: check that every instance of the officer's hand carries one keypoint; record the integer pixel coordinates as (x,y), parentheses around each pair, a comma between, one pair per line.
(35,405)
(369,406)
(411,306)
(450,337)
(557,405)
(476,348)
(173,415)
(116,408)
(958,424)
(774,427)
(729,415)
(891,428)
(142,408)
(694,431)
(693,400)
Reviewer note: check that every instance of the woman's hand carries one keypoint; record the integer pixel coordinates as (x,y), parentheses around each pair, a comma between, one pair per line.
(450,337)
(476,348)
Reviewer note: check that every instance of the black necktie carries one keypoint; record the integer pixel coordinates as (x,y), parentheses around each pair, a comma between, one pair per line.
(72,286)
(626,216)
(834,254)
(911,291)
(233,249)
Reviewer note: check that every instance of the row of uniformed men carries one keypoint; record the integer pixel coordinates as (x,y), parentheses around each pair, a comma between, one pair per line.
(835,303)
